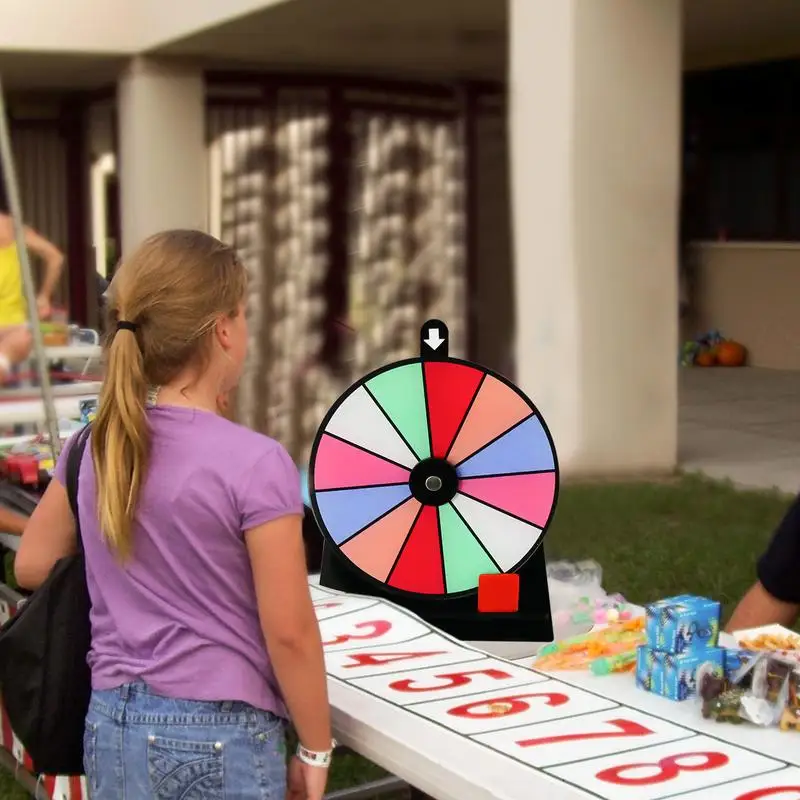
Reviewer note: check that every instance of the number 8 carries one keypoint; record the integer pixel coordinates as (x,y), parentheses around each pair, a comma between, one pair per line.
(668,769)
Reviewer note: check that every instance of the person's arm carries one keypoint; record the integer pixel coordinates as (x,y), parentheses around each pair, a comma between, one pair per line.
(53,260)
(271,509)
(758,607)
(775,597)
(11,522)
(48,536)
(290,626)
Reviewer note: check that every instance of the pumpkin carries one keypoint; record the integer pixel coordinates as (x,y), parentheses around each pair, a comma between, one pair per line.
(731,354)
(705,359)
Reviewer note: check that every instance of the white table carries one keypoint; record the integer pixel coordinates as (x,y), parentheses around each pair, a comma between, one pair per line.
(30,412)
(72,389)
(74,352)
(473,754)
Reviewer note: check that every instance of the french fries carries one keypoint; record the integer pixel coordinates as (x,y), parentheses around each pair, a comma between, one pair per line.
(772,643)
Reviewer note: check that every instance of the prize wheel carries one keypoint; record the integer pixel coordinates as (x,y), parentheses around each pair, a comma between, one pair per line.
(428,475)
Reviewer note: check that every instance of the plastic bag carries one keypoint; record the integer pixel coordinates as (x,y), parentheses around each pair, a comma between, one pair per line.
(571,581)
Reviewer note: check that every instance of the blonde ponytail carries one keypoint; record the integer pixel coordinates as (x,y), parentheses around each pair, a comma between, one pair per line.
(121,441)
(163,304)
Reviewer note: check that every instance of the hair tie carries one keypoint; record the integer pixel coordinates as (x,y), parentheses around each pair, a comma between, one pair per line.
(124,325)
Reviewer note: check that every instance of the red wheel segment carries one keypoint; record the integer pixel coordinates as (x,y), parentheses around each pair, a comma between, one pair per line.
(449,390)
(419,567)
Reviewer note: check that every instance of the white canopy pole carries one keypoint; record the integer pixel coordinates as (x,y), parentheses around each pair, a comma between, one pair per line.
(15,209)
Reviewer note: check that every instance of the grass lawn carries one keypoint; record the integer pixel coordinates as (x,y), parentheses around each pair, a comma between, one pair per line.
(653,540)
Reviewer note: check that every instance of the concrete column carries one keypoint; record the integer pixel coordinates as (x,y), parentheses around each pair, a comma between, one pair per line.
(595,120)
(162,153)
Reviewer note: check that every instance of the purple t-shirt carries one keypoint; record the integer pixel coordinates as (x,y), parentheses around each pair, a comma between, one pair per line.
(181,614)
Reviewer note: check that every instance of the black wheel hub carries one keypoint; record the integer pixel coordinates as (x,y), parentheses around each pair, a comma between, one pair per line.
(434,482)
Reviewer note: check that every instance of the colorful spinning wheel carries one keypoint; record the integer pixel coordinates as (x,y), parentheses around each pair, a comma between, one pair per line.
(428,474)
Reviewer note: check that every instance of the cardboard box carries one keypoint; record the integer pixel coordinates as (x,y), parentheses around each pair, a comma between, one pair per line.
(682,624)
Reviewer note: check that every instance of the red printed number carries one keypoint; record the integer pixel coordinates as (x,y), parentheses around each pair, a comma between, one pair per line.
(624,728)
(668,769)
(379,659)
(774,791)
(372,630)
(504,706)
(450,680)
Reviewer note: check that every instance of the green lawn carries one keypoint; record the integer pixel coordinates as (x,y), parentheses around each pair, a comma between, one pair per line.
(653,540)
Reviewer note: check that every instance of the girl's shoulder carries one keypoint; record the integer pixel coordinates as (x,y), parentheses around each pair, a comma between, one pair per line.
(211,435)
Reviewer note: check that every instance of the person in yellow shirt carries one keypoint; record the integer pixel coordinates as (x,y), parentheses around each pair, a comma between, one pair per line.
(15,333)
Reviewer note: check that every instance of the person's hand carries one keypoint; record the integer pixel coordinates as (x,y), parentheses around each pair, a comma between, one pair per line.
(43,306)
(304,782)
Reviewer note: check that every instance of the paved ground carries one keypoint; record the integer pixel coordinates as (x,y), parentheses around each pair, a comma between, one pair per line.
(742,424)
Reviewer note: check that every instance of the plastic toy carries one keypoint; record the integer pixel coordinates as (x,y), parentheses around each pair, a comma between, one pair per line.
(612,649)
(603,610)
(790,718)
(622,662)
(725,707)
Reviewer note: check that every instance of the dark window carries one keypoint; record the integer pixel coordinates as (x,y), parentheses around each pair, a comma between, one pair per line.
(741,168)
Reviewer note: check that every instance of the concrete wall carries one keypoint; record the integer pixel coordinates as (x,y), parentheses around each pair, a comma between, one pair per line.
(162,149)
(750,292)
(112,26)
(77,26)
(595,112)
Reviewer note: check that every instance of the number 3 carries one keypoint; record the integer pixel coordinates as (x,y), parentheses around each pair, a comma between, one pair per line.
(668,769)
(376,629)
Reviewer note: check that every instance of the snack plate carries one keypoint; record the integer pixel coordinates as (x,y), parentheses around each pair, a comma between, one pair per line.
(774,631)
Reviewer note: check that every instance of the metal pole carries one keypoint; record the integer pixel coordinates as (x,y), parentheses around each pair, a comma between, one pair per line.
(15,208)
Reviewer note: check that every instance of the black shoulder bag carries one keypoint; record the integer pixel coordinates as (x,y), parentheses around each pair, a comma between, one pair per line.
(44,677)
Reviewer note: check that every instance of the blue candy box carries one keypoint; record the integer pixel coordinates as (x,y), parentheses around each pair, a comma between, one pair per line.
(683,623)
(672,675)
(735,660)
(680,671)
(650,669)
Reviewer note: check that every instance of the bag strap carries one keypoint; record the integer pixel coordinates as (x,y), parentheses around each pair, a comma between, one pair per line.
(74,459)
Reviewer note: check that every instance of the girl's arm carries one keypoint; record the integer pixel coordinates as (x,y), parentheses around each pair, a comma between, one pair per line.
(290,626)
(49,535)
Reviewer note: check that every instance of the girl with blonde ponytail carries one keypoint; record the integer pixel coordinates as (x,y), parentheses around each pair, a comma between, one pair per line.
(204,638)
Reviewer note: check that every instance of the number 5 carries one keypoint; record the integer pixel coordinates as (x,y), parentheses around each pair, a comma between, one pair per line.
(452,680)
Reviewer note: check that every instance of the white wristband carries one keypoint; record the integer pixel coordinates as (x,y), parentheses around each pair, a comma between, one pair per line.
(314,758)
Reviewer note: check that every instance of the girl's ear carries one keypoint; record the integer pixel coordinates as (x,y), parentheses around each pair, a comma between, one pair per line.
(223,332)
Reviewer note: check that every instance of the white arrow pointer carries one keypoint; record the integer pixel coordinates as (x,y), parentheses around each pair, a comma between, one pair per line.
(434,339)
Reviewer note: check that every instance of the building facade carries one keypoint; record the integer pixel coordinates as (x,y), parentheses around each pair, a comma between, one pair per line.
(513,168)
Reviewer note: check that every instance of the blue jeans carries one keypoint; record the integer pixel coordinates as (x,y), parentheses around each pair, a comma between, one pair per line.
(141,746)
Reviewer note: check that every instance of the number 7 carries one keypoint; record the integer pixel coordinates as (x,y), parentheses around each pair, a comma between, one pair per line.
(626,728)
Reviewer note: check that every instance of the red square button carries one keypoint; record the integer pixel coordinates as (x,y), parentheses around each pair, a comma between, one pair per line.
(498,593)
